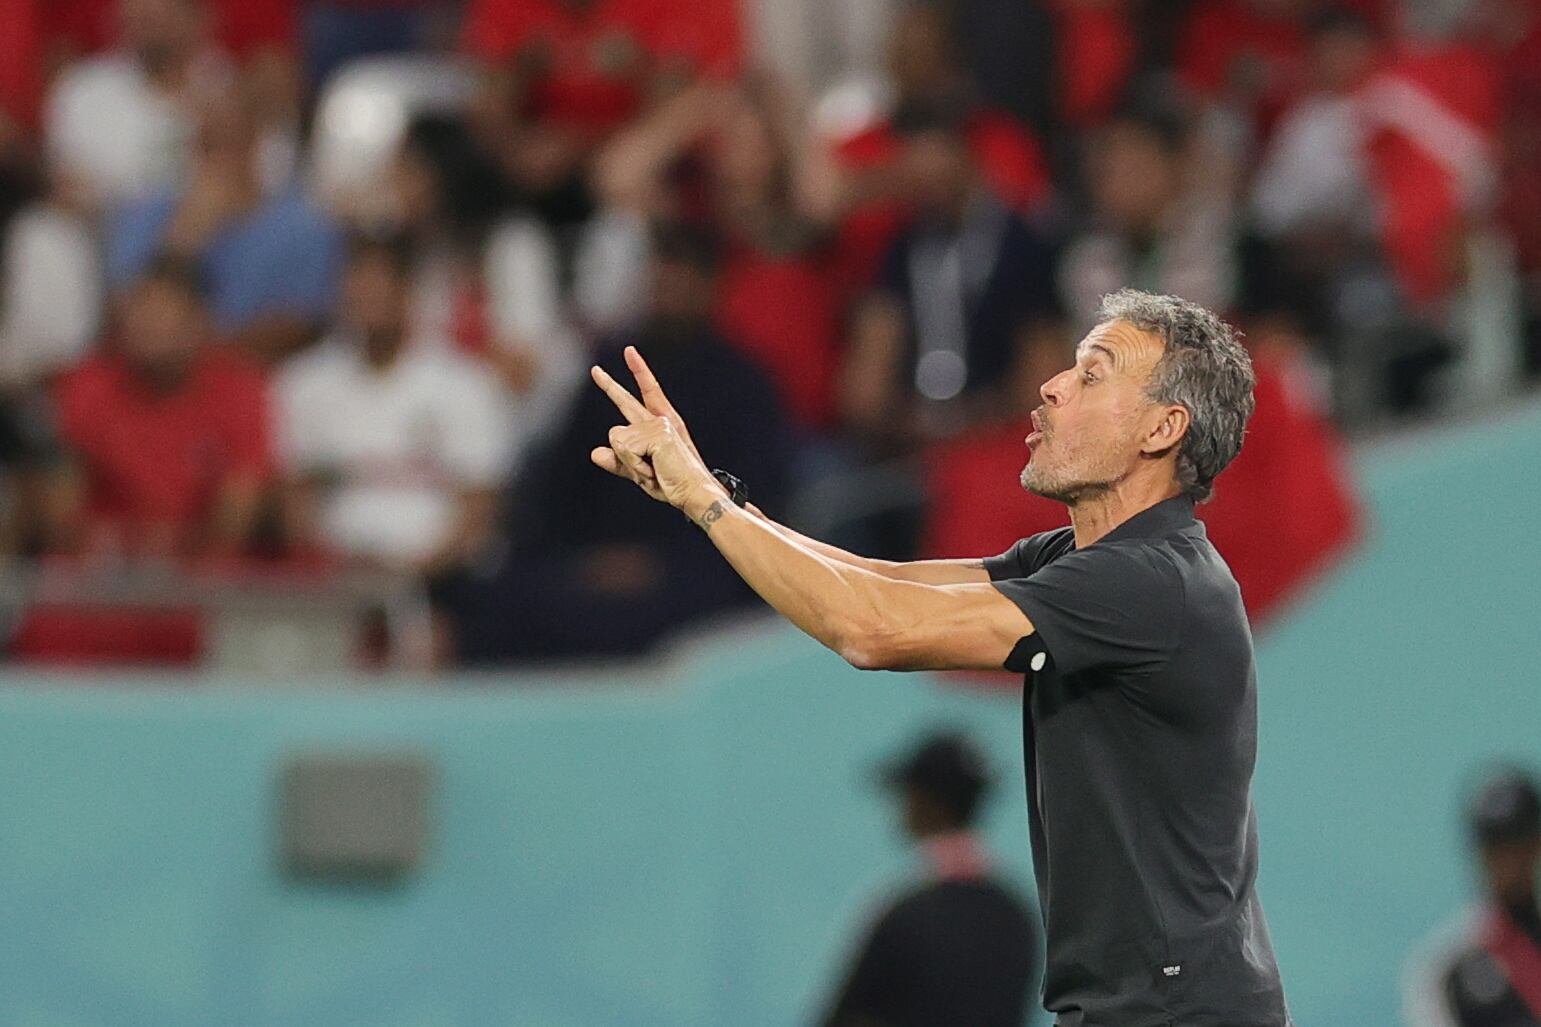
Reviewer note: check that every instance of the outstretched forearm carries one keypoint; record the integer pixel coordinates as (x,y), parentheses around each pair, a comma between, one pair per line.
(925,572)
(836,602)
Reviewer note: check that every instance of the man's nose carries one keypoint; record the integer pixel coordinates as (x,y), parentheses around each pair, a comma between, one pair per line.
(1052,390)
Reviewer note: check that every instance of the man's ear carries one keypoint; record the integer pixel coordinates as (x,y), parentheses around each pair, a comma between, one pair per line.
(1168,431)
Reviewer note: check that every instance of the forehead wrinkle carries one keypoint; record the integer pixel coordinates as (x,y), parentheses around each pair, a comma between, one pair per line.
(1126,345)
(1094,348)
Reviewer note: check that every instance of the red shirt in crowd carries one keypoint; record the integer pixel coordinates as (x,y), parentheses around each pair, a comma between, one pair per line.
(784,312)
(155,460)
(240,26)
(21,61)
(1096,52)
(977,506)
(1432,117)
(1284,511)
(1521,202)
(592,61)
(1228,45)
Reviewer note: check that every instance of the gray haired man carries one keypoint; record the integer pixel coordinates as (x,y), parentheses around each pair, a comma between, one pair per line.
(1140,712)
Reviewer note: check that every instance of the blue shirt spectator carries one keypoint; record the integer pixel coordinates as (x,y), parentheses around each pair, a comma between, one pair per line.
(271,258)
(280,258)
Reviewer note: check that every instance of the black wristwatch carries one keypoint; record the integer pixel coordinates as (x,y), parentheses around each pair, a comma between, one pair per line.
(737,490)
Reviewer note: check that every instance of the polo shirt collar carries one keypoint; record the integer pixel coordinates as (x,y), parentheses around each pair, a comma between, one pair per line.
(1166,517)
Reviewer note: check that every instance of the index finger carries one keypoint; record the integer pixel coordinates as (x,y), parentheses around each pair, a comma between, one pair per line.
(625,402)
(652,393)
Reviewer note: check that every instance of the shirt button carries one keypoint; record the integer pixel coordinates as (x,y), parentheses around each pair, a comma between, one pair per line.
(1038,660)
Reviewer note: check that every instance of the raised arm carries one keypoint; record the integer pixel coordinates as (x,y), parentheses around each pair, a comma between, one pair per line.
(927,572)
(924,572)
(873,621)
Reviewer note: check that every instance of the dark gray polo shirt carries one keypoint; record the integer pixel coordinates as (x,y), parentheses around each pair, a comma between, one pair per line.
(1140,735)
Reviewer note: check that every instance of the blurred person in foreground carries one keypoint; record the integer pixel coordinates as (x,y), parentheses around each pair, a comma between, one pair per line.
(593,572)
(392,454)
(1486,971)
(270,255)
(1140,727)
(960,946)
(166,436)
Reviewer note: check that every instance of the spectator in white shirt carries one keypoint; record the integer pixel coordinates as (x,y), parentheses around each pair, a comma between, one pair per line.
(119,126)
(392,453)
(1313,176)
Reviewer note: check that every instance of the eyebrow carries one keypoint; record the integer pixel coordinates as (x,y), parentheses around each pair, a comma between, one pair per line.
(1098,347)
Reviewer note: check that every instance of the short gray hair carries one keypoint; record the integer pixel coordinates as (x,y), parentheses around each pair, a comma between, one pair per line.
(1204,368)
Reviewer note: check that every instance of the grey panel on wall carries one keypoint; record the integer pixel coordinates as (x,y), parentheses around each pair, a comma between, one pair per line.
(354,817)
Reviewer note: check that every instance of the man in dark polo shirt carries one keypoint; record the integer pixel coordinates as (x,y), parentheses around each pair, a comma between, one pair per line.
(1140,721)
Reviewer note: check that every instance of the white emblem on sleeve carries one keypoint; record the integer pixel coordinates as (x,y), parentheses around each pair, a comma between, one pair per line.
(1038,660)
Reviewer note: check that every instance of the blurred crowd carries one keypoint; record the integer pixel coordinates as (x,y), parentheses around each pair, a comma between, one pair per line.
(217,348)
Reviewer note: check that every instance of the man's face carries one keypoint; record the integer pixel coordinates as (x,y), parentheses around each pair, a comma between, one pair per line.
(1133,177)
(375,295)
(162,328)
(682,292)
(160,30)
(1096,422)
(938,173)
(920,57)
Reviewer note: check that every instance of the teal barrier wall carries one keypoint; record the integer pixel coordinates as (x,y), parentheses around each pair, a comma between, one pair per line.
(697,842)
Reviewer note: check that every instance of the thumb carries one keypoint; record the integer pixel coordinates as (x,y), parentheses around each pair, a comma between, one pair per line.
(605,459)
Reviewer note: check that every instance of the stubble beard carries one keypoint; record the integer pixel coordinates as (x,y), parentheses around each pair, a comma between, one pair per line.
(1063,489)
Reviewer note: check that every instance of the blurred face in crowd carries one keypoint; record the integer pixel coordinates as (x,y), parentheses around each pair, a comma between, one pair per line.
(161,32)
(1341,57)
(415,183)
(375,301)
(920,54)
(938,173)
(684,296)
(1094,425)
(748,158)
(1511,868)
(162,327)
(1135,175)
(227,142)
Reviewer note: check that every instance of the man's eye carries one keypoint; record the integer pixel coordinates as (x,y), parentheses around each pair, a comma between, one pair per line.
(1088,376)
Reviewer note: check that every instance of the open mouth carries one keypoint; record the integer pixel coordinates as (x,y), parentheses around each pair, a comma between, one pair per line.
(1036,436)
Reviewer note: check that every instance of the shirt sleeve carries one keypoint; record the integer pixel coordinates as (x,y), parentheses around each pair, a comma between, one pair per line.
(1102,607)
(1027,555)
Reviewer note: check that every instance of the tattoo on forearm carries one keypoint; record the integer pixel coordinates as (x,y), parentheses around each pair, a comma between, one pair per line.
(712,515)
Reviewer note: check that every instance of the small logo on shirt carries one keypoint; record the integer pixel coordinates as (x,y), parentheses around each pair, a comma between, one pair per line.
(1172,971)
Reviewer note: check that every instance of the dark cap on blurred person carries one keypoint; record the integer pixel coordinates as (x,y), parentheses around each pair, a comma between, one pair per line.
(948,767)
(1507,808)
